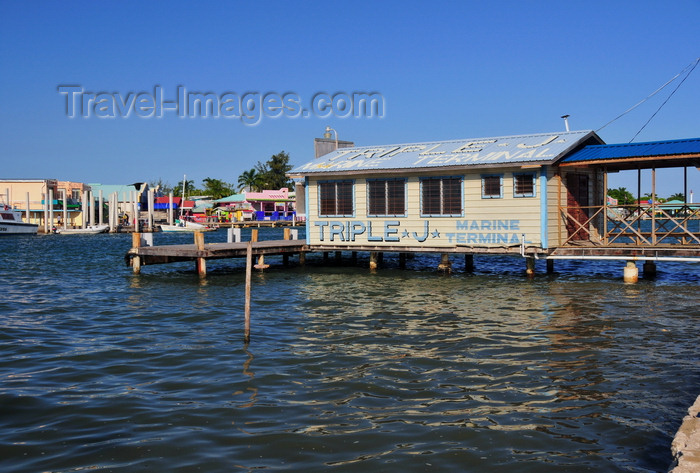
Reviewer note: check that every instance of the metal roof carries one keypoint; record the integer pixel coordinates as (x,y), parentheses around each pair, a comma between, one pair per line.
(537,149)
(626,155)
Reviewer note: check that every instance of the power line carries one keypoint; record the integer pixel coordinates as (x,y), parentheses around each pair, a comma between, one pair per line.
(688,68)
(667,99)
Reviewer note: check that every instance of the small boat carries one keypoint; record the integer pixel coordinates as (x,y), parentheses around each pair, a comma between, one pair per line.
(186,226)
(11,222)
(89,230)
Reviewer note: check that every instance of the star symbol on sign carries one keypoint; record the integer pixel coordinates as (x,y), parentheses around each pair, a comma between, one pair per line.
(436,234)
(404,234)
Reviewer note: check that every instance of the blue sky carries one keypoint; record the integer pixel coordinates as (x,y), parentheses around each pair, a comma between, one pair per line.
(446,70)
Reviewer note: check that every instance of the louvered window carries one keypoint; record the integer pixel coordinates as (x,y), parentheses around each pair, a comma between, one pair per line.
(386,197)
(441,196)
(524,185)
(492,187)
(336,199)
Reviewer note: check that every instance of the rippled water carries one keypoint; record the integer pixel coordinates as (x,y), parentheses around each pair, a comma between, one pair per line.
(347,370)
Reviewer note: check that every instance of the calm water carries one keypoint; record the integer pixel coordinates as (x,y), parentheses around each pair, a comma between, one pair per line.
(400,370)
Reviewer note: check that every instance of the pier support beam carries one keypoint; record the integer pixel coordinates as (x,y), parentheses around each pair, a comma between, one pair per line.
(136,260)
(550,266)
(248,276)
(445,265)
(649,269)
(201,263)
(402,260)
(468,263)
(373,260)
(630,273)
(530,266)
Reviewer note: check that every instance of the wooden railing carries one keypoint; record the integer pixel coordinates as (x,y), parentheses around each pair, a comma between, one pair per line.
(634,225)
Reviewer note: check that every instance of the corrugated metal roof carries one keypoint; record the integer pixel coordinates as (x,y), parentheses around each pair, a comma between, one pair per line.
(635,150)
(542,148)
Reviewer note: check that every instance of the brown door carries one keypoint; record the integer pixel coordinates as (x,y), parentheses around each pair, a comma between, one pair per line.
(577,205)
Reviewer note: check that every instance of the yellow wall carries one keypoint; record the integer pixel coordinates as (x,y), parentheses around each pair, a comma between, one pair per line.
(485,222)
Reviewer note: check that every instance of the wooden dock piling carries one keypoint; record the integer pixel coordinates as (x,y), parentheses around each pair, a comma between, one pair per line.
(248,275)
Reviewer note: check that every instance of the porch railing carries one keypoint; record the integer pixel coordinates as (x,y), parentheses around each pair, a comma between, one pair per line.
(635,225)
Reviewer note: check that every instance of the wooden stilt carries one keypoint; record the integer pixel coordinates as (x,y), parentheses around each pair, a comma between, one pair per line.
(649,269)
(302,258)
(445,265)
(200,263)
(550,266)
(468,263)
(402,260)
(530,266)
(338,257)
(248,275)
(373,260)
(136,260)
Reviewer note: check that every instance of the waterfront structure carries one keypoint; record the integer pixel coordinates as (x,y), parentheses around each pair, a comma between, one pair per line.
(539,196)
(542,195)
(266,205)
(482,194)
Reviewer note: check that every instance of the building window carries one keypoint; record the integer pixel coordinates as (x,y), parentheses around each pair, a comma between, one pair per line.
(386,197)
(492,187)
(336,199)
(441,196)
(524,185)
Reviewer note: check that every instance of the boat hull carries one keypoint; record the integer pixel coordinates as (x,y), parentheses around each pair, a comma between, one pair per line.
(18,228)
(186,229)
(92,230)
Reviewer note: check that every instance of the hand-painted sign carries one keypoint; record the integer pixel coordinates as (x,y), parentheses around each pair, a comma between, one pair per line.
(475,232)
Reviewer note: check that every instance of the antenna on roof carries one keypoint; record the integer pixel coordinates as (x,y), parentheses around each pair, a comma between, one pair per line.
(566,121)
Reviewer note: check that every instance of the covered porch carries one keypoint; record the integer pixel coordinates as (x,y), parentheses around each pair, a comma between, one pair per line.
(646,230)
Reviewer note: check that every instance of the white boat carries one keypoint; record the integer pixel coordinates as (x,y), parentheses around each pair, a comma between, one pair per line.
(186,226)
(11,222)
(89,230)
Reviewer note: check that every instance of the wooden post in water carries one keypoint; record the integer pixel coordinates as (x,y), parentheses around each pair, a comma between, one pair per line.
(469,263)
(373,260)
(445,265)
(530,266)
(200,262)
(287,236)
(136,260)
(248,274)
(261,259)
(649,269)
(550,266)
(402,260)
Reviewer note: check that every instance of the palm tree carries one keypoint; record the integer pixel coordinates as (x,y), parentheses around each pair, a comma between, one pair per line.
(216,188)
(677,196)
(249,179)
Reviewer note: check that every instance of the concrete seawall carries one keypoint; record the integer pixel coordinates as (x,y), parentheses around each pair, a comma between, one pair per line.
(686,444)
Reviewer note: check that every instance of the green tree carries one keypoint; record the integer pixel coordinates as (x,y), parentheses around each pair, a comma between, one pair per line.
(677,196)
(248,179)
(162,186)
(623,196)
(189,188)
(216,188)
(272,174)
(278,167)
